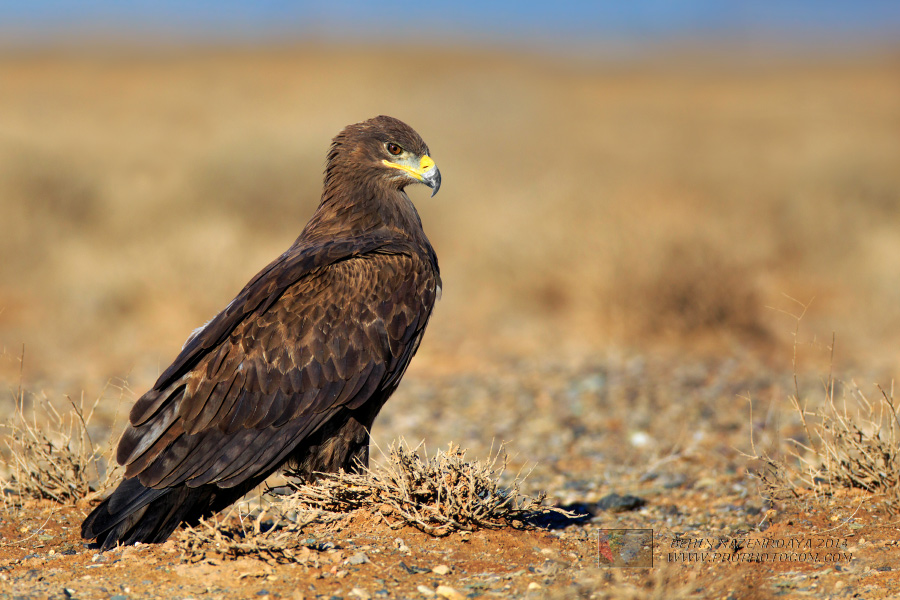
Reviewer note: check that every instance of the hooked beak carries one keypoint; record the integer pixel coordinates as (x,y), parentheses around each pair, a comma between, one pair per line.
(432,178)
(425,172)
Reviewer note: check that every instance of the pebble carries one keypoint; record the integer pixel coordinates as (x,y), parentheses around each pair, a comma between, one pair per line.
(534,585)
(617,503)
(425,591)
(358,558)
(360,593)
(441,569)
(445,591)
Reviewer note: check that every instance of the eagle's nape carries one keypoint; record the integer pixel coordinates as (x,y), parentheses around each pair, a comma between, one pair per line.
(298,365)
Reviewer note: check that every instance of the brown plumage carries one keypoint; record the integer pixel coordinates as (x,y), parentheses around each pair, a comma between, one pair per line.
(298,365)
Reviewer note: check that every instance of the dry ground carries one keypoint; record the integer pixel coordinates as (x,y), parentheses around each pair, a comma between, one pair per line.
(611,239)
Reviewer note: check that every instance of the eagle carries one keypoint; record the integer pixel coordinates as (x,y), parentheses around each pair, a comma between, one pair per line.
(296,368)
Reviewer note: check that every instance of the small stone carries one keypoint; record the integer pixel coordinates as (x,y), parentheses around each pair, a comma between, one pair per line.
(534,585)
(360,593)
(617,503)
(413,570)
(426,591)
(445,591)
(441,569)
(358,559)
(639,439)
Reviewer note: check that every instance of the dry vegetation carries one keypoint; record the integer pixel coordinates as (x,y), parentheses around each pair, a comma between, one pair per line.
(617,242)
(49,454)
(437,495)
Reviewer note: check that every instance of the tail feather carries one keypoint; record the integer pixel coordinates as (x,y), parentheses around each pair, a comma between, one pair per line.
(135,513)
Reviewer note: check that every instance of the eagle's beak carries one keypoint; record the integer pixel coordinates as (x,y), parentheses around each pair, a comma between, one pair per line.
(426,171)
(432,178)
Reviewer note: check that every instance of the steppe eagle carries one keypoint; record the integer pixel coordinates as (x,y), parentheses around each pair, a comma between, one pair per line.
(297,366)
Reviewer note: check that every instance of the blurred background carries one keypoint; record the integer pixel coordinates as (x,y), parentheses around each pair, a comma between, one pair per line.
(628,177)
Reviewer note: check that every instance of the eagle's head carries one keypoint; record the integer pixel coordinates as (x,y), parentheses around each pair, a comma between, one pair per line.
(384,150)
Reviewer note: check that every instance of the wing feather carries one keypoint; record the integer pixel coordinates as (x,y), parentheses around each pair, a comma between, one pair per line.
(337,336)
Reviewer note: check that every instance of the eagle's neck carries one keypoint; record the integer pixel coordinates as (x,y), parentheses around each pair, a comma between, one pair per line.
(372,206)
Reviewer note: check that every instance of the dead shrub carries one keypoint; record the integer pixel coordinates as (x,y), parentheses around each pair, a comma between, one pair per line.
(854,443)
(437,495)
(851,442)
(50,455)
(273,534)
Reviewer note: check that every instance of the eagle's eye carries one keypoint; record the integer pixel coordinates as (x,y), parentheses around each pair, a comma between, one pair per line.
(393,148)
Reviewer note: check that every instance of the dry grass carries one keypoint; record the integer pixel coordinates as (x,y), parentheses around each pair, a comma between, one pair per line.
(860,445)
(273,534)
(50,455)
(850,441)
(437,495)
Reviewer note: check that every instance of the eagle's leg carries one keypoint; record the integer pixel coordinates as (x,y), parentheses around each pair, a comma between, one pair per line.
(342,443)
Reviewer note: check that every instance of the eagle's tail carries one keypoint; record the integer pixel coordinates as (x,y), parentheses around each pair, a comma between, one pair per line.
(135,513)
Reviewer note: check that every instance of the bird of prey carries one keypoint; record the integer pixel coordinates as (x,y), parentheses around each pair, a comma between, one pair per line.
(297,366)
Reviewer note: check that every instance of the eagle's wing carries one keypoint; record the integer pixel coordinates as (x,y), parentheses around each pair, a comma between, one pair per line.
(284,357)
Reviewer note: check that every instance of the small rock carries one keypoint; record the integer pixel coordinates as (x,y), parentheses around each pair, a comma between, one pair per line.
(361,594)
(534,585)
(358,559)
(426,591)
(639,439)
(441,569)
(445,591)
(401,545)
(413,570)
(617,503)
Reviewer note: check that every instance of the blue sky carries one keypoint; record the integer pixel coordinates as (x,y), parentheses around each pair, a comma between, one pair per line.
(548,21)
